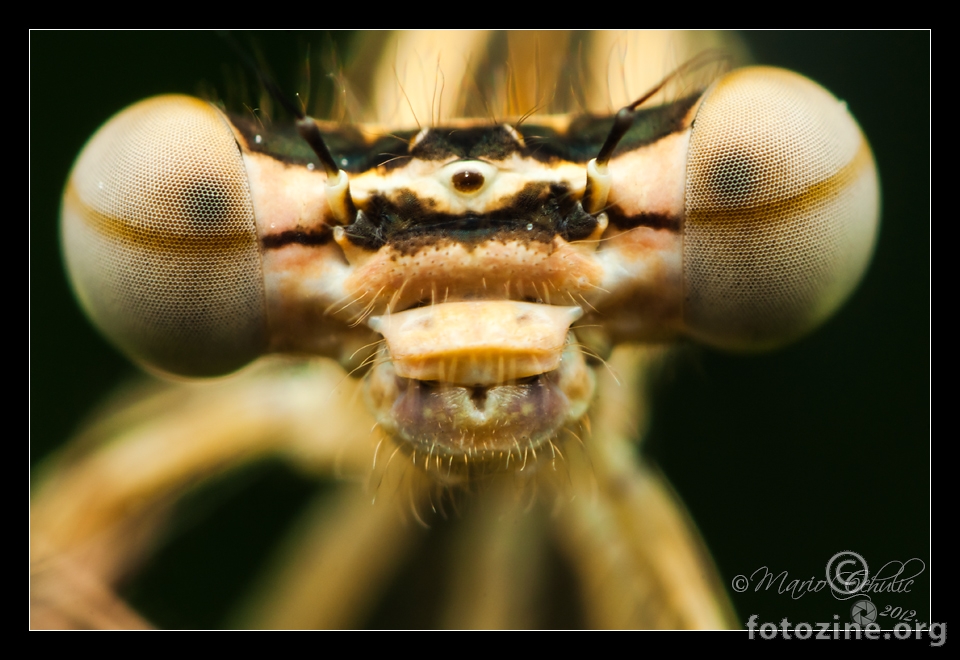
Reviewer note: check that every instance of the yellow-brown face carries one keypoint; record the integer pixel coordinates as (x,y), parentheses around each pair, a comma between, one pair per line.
(459,260)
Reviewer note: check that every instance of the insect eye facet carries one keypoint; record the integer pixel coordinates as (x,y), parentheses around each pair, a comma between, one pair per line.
(782,208)
(160,240)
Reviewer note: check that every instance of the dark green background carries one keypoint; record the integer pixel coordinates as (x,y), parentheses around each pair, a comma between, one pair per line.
(784,459)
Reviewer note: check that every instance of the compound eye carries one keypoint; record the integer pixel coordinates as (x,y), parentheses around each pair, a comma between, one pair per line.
(782,209)
(160,241)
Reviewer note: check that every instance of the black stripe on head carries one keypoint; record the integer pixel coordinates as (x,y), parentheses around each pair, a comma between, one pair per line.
(320,236)
(583,138)
(540,211)
(481,143)
(354,153)
(621,220)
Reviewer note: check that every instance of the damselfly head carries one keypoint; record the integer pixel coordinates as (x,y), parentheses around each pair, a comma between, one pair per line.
(740,213)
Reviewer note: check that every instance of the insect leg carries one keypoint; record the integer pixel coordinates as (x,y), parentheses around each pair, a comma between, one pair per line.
(640,561)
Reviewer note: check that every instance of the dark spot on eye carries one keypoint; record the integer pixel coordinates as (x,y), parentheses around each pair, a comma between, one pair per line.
(736,178)
(206,202)
(467,181)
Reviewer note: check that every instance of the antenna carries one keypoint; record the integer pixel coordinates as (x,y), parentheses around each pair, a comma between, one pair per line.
(338,194)
(598,176)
